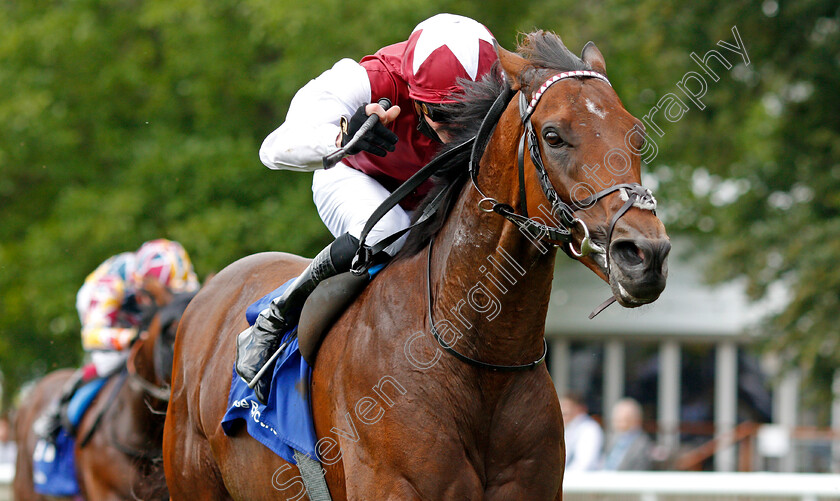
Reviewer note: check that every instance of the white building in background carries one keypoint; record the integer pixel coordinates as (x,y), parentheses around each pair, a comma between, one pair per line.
(621,350)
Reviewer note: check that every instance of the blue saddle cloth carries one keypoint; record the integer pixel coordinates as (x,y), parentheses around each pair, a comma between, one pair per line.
(285,424)
(54,465)
(82,399)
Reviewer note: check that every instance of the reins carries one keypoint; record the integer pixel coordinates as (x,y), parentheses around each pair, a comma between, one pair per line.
(129,373)
(534,227)
(633,194)
(561,211)
(363,259)
(137,381)
(460,356)
(112,397)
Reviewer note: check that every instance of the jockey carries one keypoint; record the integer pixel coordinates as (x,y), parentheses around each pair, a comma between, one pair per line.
(109,304)
(417,76)
(110,307)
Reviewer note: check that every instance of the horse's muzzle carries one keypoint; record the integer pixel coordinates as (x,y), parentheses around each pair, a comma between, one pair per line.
(639,269)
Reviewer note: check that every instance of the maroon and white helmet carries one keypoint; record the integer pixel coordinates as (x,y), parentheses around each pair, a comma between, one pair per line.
(443,49)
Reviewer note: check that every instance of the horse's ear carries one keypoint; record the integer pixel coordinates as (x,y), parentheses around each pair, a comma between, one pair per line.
(593,57)
(513,65)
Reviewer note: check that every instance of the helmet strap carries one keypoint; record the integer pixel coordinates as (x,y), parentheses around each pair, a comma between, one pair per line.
(427,130)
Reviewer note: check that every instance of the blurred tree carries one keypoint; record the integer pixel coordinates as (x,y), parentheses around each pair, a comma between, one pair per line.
(785,142)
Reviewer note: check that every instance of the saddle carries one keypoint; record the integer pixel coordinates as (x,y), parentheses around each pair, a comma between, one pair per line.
(75,408)
(323,307)
(53,464)
(80,402)
(332,296)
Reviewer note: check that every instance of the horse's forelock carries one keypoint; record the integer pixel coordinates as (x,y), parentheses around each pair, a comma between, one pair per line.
(545,49)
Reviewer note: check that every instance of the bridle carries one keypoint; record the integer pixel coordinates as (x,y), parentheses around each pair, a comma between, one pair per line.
(139,382)
(563,214)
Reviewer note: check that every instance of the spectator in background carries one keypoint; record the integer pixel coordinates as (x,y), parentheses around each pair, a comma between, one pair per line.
(583,435)
(628,446)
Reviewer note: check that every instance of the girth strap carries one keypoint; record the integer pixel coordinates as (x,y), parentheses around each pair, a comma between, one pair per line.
(312,474)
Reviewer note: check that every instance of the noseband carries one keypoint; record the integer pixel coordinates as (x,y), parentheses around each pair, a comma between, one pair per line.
(633,194)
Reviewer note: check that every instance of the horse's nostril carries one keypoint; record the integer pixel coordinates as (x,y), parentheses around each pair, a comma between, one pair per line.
(628,253)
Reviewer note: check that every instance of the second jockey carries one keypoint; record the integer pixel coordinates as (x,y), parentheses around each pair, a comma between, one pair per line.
(110,305)
(418,76)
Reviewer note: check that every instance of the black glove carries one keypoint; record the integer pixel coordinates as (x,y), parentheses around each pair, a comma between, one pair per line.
(379,140)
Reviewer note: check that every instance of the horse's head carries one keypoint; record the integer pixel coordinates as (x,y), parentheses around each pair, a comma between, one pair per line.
(168,318)
(582,165)
(153,353)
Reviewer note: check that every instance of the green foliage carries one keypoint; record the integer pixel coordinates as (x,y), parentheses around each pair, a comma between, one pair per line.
(125,121)
(781,149)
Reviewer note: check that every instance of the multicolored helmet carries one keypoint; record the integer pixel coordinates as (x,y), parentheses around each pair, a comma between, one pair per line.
(443,49)
(167,262)
(122,265)
(111,275)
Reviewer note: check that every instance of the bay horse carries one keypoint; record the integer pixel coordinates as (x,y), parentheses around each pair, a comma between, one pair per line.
(399,415)
(123,427)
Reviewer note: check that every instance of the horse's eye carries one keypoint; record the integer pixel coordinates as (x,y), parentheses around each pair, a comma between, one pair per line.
(553,138)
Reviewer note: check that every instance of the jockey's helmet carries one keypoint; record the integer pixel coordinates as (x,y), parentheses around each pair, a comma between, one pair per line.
(167,262)
(440,51)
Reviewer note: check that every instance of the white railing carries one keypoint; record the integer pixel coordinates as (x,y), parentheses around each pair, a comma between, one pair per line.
(657,486)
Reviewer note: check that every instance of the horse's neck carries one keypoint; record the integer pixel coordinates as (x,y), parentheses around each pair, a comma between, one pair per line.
(491,283)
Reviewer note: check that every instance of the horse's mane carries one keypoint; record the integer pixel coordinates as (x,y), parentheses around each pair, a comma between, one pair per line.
(542,49)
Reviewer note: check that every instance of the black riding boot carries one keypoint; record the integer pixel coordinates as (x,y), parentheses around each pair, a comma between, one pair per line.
(256,345)
(49,423)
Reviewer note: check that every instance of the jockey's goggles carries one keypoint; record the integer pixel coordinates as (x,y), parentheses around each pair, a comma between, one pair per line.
(435,113)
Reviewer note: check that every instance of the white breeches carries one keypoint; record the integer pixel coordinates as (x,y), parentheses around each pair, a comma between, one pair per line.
(107,361)
(346,198)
